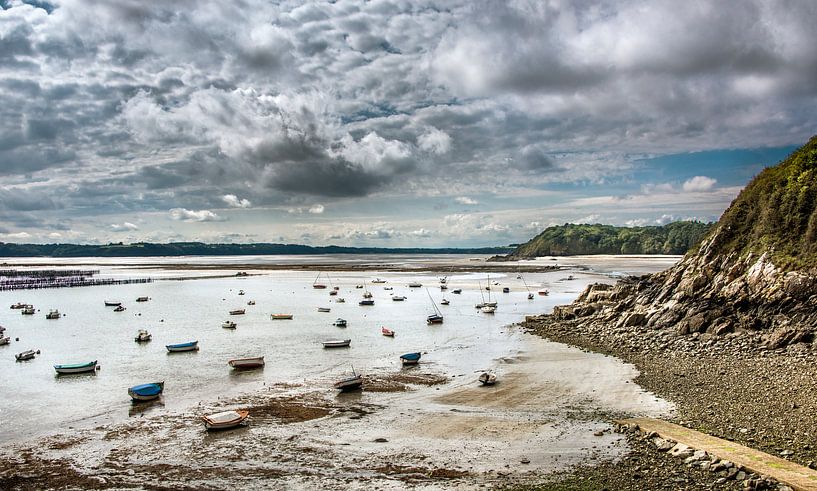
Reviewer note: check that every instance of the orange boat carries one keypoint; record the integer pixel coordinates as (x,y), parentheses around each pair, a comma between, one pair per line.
(387,332)
(225,420)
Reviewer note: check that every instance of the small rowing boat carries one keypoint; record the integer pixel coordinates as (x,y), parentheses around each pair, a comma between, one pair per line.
(146,392)
(349,384)
(324,309)
(53,314)
(119,308)
(237,312)
(398,298)
(247,363)
(280,317)
(387,332)
(76,368)
(225,420)
(142,299)
(112,303)
(339,322)
(366,301)
(411,358)
(337,343)
(176,348)
(26,355)
(142,336)
(229,325)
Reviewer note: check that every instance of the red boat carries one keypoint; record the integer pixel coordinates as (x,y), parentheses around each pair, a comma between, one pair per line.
(387,332)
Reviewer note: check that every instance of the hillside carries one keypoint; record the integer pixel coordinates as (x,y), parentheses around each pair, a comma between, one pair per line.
(572,239)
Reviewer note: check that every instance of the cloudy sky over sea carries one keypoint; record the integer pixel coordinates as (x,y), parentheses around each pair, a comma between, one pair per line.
(390,123)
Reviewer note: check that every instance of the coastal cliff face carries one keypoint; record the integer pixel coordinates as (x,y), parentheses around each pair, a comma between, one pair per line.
(750,283)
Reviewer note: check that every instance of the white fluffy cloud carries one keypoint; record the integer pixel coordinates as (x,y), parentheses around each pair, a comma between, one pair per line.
(234,202)
(699,184)
(465,200)
(124,227)
(316,209)
(185,215)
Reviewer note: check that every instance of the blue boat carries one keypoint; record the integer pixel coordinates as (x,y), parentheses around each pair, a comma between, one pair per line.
(191,346)
(76,368)
(410,358)
(146,392)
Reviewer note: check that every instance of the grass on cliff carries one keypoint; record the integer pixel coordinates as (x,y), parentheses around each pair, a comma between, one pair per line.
(776,212)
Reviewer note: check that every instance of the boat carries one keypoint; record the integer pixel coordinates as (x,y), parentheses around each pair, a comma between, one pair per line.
(367,295)
(76,368)
(398,298)
(53,314)
(142,336)
(189,346)
(388,288)
(317,285)
(4,340)
(229,325)
(337,343)
(358,286)
(142,299)
(339,322)
(378,280)
(366,301)
(26,355)
(479,305)
(112,303)
(246,363)
(18,305)
(251,302)
(349,384)
(444,301)
(543,292)
(281,317)
(437,316)
(241,292)
(443,280)
(530,296)
(456,291)
(237,312)
(487,378)
(506,290)
(324,309)
(146,392)
(415,284)
(570,277)
(411,358)
(340,300)
(333,293)
(226,420)
(119,309)
(488,309)
(443,287)
(28,310)
(387,332)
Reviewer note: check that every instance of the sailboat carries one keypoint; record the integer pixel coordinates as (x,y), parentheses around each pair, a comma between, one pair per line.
(489,307)
(316,285)
(530,294)
(437,316)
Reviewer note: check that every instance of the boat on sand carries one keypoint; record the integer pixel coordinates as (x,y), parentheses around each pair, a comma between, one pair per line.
(226,420)
(246,363)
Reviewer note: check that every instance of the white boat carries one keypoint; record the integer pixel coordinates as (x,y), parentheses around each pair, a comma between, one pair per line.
(487,378)
(4,340)
(251,302)
(280,317)
(437,316)
(225,420)
(237,312)
(246,363)
(76,368)
(28,310)
(415,284)
(26,355)
(398,298)
(229,325)
(241,292)
(340,300)
(339,322)
(488,309)
(444,301)
(378,280)
(142,336)
(350,383)
(337,343)
(324,309)
(53,314)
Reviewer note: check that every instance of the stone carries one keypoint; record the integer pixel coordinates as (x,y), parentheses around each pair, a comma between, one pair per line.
(662,445)
(786,453)
(681,450)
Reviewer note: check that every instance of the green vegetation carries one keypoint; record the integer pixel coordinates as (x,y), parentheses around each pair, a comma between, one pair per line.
(776,213)
(144,249)
(571,239)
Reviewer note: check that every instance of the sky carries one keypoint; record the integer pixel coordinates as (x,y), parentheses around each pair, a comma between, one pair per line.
(390,123)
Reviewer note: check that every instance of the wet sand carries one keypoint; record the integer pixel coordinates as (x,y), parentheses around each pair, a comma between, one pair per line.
(436,430)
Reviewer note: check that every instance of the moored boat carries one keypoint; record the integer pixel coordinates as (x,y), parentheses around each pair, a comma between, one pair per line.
(26,355)
(506,289)
(53,314)
(241,292)
(246,363)
(146,392)
(415,284)
(487,378)
(142,336)
(316,285)
(279,317)
(386,332)
(378,280)
(19,305)
(543,292)
(434,319)
(340,300)
(398,298)
(142,299)
(530,296)
(237,312)
(251,302)
(112,303)
(349,384)
(189,346)
(28,310)
(366,301)
(488,309)
(411,358)
(225,420)
(456,291)
(444,301)
(337,343)
(324,309)
(76,368)
(229,325)
(339,322)
(119,308)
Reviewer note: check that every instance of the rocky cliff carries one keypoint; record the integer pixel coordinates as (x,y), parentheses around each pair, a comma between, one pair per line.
(750,283)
